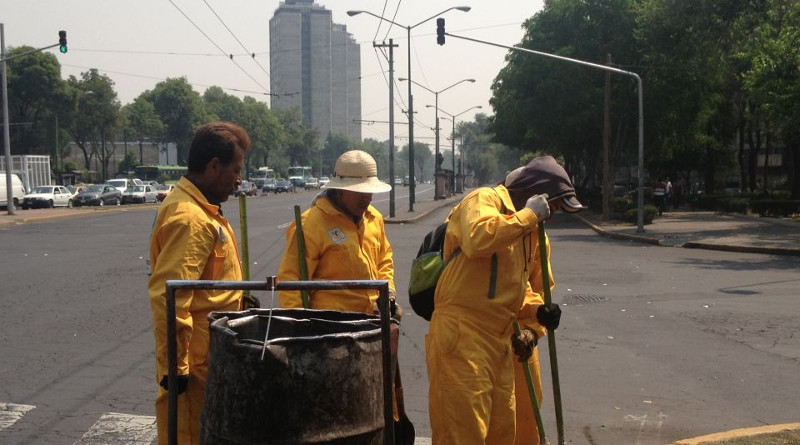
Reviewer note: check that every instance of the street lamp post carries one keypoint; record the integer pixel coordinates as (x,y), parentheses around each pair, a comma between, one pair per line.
(452,118)
(436,96)
(412,182)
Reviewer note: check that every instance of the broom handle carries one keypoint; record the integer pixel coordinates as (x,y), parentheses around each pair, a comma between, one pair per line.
(526,367)
(551,337)
(301,254)
(245,250)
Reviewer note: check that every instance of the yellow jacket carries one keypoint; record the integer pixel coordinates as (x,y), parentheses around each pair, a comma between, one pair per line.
(489,281)
(337,249)
(191,240)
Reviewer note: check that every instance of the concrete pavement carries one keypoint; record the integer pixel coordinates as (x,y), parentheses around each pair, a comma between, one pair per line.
(708,230)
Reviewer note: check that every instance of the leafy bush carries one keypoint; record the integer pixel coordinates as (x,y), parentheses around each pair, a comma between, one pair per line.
(650,211)
(775,207)
(733,204)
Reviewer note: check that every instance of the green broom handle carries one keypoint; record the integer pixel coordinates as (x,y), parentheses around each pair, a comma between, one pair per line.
(526,367)
(245,250)
(301,254)
(551,338)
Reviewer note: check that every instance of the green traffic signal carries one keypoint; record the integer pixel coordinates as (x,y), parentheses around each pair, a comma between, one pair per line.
(62,41)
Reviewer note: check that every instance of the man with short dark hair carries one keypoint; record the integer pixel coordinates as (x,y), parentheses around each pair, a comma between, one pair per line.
(192,240)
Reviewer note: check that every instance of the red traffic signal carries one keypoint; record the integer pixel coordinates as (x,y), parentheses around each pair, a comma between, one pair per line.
(62,41)
(440,31)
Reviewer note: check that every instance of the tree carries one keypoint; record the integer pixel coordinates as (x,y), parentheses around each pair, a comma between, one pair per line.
(302,143)
(36,95)
(335,145)
(98,113)
(774,79)
(556,106)
(266,132)
(141,121)
(181,110)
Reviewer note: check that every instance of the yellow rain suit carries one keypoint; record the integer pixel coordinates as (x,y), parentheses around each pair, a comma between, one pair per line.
(479,296)
(527,430)
(337,249)
(191,240)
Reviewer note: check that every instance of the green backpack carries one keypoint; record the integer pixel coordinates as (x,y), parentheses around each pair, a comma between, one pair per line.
(426,269)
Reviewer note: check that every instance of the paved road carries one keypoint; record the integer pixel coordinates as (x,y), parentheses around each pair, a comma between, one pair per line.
(656,344)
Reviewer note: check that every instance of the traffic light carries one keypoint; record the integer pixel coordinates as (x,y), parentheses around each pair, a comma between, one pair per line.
(62,41)
(440,31)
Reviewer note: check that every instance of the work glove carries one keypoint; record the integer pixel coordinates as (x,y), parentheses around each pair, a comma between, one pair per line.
(182,380)
(395,310)
(539,205)
(549,315)
(523,343)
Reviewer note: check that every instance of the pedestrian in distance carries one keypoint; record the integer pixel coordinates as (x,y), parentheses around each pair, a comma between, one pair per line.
(660,195)
(345,239)
(192,240)
(471,347)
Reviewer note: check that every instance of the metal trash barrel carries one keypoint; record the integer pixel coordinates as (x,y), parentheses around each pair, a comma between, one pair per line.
(320,381)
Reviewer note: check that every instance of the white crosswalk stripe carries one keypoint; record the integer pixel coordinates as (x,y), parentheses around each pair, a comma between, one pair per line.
(111,428)
(122,429)
(10,413)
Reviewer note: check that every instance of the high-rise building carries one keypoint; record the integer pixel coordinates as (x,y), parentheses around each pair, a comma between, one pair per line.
(315,66)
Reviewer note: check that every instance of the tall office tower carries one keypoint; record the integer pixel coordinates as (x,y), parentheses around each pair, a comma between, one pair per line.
(315,67)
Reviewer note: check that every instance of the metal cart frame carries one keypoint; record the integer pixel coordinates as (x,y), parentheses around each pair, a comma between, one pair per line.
(269,285)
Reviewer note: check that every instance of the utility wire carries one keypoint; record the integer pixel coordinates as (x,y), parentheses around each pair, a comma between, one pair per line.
(220,49)
(380,22)
(393,19)
(253,55)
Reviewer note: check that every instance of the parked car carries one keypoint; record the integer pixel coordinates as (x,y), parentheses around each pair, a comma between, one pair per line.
(47,196)
(140,194)
(98,195)
(284,186)
(154,184)
(311,183)
(298,183)
(246,188)
(121,184)
(269,186)
(163,191)
(323,181)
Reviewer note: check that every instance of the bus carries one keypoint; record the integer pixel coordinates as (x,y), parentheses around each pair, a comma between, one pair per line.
(165,174)
(299,175)
(262,174)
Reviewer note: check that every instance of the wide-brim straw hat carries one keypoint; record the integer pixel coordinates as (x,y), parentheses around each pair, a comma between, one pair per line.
(357,171)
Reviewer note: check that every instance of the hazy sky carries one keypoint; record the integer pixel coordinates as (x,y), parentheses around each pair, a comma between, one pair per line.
(141,42)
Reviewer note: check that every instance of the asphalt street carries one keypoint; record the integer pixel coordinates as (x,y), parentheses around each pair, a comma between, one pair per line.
(655,344)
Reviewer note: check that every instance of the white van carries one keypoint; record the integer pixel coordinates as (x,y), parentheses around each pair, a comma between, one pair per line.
(121,184)
(18,191)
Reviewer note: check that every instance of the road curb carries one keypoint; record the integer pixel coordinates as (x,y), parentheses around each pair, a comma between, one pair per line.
(621,236)
(743,249)
(423,214)
(742,432)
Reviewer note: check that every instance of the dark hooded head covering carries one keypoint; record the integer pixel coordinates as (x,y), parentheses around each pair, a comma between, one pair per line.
(542,175)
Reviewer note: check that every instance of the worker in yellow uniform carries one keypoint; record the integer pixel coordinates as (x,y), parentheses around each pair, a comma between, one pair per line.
(480,294)
(192,240)
(345,239)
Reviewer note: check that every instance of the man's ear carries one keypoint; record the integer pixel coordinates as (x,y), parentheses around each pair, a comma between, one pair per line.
(213,167)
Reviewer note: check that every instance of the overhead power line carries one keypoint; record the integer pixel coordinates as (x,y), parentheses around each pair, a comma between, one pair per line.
(219,48)
(252,54)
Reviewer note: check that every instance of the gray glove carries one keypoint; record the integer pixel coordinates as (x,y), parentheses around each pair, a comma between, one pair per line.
(539,205)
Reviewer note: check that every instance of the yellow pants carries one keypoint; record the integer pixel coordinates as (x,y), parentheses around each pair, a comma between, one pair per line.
(527,430)
(471,395)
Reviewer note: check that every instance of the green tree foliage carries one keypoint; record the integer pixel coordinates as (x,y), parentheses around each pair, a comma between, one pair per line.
(141,120)
(335,145)
(36,95)
(181,109)
(774,79)
(266,133)
(97,117)
(546,104)
(302,144)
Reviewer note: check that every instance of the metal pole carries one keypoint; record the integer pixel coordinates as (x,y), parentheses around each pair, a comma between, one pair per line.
(412,181)
(6,137)
(391,126)
(453,137)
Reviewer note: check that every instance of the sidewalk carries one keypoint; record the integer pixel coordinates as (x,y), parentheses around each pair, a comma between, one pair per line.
(708,230)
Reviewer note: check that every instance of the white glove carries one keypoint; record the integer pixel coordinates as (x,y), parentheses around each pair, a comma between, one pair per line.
(539,205)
